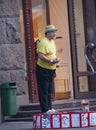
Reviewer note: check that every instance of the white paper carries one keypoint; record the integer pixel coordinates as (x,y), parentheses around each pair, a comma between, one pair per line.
(38,122)
(92,119)
(46,121)
(65,121)
(84,118)
(56,121)
(75,120)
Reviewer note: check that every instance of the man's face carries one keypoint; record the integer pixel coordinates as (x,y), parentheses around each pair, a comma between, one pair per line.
(51,34)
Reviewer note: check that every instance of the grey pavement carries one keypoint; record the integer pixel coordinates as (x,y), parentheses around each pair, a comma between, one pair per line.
(16,126)
(25,125)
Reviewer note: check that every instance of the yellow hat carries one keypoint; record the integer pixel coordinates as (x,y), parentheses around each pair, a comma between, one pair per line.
(50,28)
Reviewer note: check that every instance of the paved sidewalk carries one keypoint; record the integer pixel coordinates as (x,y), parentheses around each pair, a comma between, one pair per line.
(16,126)
(29,126)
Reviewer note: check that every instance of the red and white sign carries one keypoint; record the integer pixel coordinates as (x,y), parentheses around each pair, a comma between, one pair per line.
(64,120)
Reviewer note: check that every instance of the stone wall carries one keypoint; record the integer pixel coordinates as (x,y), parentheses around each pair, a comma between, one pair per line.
(0,111)
(11,47)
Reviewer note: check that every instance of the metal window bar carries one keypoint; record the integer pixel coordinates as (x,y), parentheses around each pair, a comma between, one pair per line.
(89,46)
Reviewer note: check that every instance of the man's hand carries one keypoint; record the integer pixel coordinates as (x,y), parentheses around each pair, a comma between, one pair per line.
(55,60)
(58,64)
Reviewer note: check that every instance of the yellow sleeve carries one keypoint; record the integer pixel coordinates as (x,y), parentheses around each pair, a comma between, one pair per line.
(42,47)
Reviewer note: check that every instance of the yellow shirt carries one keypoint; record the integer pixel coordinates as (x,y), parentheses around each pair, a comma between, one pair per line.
(48,48)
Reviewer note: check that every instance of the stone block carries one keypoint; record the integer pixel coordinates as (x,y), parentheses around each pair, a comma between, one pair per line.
(17,76)
(4,76)
(11,56)
(8,8)
(13,32)
(2,31)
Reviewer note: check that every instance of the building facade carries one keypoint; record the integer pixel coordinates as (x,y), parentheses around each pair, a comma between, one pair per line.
(22,23)
(75,22)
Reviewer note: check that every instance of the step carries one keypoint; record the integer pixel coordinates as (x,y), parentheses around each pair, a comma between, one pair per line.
(18,119)
(56,105)
(26,111)
(25,117)
(30,113)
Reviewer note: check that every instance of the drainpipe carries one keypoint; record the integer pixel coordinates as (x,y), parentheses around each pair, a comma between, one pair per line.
(30,50)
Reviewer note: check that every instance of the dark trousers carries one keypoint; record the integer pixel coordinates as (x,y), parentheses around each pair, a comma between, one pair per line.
(44,83)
